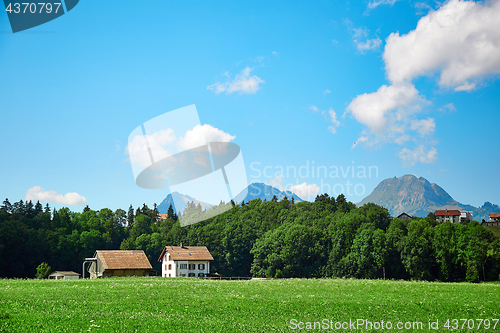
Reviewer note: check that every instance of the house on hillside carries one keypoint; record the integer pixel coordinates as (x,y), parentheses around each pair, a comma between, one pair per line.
(64,275)
(111,263)
(494,220)
(185,261)
(404,216)
(465,216)
(446,215)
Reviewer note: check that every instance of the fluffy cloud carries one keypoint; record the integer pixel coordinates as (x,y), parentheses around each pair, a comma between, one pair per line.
(326,92)
(165,143)
(448,107)
(201,134)
(313,108)
(360,139)
(305,190)
(424,126)
(460,40)
(38,193)
(369,44)
(360,37)
(419,154)
(158,144)
(371,109)
(242,83)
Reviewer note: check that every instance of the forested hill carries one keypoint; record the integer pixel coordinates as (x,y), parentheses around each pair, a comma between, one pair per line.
(326,238)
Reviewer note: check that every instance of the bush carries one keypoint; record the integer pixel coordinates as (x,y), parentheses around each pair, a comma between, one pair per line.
(43,270)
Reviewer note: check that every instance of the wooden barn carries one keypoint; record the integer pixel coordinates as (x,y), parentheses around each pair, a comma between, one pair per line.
(111,263)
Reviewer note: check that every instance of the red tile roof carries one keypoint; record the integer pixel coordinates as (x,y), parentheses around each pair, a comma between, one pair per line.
(123,259)
(447,212)
(187,253)
(494,214)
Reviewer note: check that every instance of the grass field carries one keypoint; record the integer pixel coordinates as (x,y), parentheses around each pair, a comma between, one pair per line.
(191,305)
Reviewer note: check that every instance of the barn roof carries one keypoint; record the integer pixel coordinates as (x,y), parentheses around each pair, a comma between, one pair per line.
(447,212)
(123,259)
(187,253)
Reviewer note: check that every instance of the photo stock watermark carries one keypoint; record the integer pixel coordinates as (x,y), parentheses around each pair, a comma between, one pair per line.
(25,15)
(176,153)
(311,179)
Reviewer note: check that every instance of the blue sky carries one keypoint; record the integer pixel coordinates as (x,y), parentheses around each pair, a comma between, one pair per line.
(294,84)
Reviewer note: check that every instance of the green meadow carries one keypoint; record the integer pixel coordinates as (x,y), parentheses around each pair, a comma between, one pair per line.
(282,305)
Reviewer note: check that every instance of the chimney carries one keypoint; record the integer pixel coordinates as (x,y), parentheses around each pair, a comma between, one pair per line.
(182,246)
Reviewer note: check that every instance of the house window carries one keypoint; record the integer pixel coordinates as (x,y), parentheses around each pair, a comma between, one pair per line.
(201,266)
(201,275)
(169,258)
(192,267)
(184,266)
(169,275)
(191,275)
(169,266)
(165,267)
(183,275)
(166,274)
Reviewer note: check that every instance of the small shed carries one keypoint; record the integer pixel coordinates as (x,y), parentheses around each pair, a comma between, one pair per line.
(64,275)
(111,263)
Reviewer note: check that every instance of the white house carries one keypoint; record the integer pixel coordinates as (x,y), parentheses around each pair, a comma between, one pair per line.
(465,215)
(64,275)
(452,216)
(185,261)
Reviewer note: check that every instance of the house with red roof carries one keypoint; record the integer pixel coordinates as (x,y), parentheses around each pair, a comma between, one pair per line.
(446,215)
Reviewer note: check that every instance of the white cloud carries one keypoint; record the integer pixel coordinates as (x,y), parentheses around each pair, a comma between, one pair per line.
(360,38)
(38,193)
(326,92)
(372,109)
(305,190)
(369,44)
(375,4)
(275,53)
(410,157)
(158,144)
(424,126)
(201,134)
(242,83)
(360,139)
(460,40)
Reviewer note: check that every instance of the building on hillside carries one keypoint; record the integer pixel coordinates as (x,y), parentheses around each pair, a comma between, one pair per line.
(446,215)
(465,216)
(64,275)
(404,216)
(162,216)
(493,221)
(120,263)
(185,261)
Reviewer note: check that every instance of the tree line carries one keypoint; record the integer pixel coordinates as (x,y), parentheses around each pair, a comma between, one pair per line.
(329,237)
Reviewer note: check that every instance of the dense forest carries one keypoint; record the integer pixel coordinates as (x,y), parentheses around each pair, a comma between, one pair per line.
(329,237)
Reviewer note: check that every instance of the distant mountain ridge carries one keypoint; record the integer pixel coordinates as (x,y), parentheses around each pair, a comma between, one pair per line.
(255,191)
(418,197)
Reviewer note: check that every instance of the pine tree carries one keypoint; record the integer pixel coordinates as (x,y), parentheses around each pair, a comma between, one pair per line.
(47,208)
(86,209)
(6,207)
(38,207)
(130,216)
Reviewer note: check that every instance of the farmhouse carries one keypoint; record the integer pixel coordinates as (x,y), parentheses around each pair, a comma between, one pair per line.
(185,261)
(465,216)
(452,216)
(494,220)
(119,263)
(64,275)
